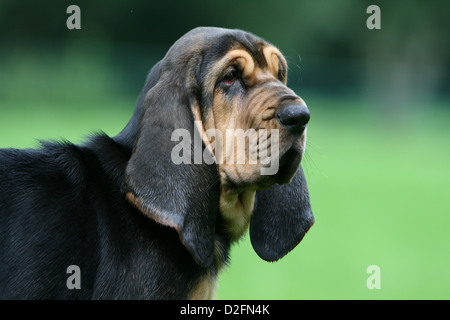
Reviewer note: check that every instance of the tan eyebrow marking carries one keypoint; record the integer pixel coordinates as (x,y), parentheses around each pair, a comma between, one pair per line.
(275,61)
(242,57)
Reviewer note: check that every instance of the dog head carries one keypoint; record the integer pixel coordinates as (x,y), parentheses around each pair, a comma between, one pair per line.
(220,138)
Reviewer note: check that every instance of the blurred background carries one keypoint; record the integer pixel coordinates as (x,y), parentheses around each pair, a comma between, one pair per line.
(377,159)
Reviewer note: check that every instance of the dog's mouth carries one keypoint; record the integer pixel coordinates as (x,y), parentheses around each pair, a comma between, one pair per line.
(288,164)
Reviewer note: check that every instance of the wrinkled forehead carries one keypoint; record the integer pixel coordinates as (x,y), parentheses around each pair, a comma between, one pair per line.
(244,49)
(208,50)
(234,40)
(257,61)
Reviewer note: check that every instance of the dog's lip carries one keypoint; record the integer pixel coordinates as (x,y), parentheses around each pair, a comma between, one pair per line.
(288,166)
(289,163)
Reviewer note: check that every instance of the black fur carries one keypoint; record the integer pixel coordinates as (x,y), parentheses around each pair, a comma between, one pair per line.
(61,206)
(66,204)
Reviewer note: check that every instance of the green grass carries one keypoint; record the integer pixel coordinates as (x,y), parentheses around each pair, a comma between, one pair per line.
(380,195)
(379,191)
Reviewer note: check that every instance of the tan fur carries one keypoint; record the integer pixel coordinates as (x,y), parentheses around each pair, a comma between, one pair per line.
(204,290)
(256,111)
(154,213)
(275,60)
(236,210)
(238,56)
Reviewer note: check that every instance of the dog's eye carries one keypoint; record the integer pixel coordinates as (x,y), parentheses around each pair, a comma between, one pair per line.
(230,77)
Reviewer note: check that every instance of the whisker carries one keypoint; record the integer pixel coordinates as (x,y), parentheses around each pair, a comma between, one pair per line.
(309,162)
(293,62)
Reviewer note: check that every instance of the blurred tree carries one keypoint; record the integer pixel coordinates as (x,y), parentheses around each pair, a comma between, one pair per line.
(327,42)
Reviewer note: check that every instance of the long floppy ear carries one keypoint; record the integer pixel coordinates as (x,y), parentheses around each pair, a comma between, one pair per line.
(182,195)
(281,218)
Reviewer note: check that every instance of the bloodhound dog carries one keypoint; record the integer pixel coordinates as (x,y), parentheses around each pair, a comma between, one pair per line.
(151,213)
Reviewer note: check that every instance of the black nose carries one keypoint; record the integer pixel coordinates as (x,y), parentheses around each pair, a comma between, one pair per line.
(294,116)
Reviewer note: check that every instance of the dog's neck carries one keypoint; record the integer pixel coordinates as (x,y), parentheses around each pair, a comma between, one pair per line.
(236,210)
